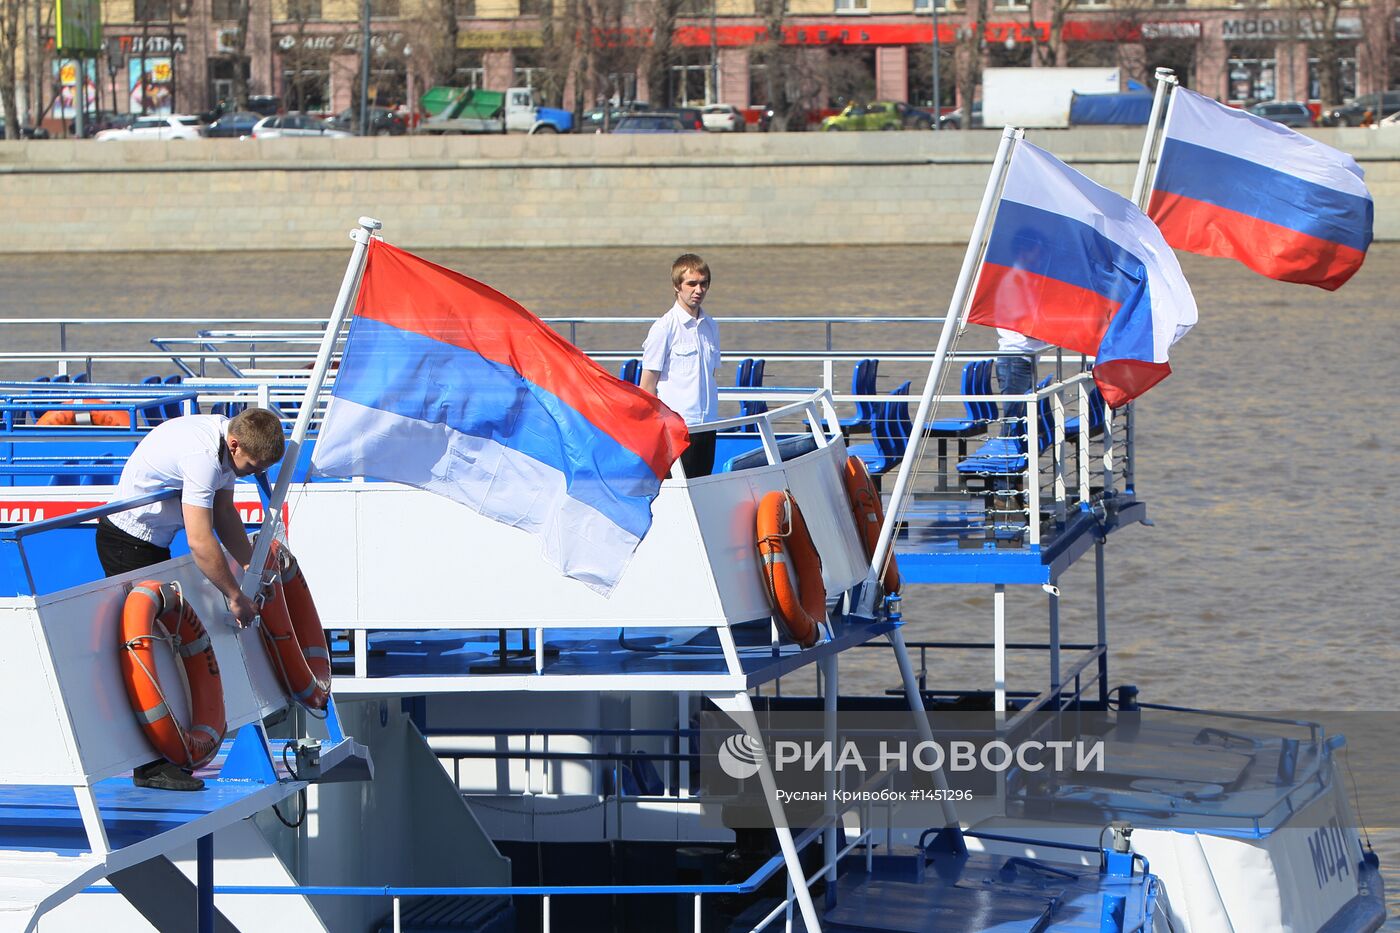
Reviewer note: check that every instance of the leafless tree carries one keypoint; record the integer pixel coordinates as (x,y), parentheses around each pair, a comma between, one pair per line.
(970,46)
(795,81)
(1319,19)
(11,35)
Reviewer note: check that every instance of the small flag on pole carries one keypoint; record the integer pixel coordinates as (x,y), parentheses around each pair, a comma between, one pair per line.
(1238,186)
(449,386)
(1073,264)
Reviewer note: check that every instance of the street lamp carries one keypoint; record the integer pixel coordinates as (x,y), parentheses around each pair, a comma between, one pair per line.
(364,67)
(714,55)
(937,100)
(114,65)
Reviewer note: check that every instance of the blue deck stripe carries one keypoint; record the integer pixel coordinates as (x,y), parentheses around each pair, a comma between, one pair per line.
(1255,190)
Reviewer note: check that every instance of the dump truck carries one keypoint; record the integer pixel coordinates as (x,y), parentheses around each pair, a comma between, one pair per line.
(472,110)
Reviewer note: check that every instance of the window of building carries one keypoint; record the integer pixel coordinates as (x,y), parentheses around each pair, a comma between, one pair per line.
(467,69)
(226,10)
(1092,54)
(388,87)
(306,83)
(153,11)
(852,6)
(1251,72)
(1177,54)
(531,69)
(534,7)
(385,9)
(922,6)
(1012,4)
(465,7)
(688,83)
(921,75)
(1346,73)
(303,10)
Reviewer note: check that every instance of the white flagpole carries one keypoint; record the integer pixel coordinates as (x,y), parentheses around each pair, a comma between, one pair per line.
(957,307)
(349,287)
(1151,143)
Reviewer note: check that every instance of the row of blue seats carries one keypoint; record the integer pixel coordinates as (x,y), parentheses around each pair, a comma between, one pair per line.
(151,414)
(748,376)
(891,426)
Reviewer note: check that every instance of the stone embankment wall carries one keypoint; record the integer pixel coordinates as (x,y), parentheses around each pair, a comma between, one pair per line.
(550,191)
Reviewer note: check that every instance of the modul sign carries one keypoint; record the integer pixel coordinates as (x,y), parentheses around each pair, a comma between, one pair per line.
(344,42)
(1283,28)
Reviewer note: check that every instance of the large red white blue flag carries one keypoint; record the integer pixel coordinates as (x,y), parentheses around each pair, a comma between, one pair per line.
(1073,264)
(1235,185)
(449,386)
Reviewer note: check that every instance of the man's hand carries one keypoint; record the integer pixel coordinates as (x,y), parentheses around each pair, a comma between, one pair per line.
(244,610)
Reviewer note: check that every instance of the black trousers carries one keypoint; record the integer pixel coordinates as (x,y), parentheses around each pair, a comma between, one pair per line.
(699,457)
(119,552)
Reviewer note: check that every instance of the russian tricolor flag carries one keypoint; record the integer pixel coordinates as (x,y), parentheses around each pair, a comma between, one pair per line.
(1074,264)
(1235,185)
(450,386)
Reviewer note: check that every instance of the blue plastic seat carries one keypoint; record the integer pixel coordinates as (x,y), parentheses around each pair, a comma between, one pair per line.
(751,376)
(1096,416)
(890,430)
(976,380)
(862,383)
(789,448)
(631,371)
(172,409)
(1001,456)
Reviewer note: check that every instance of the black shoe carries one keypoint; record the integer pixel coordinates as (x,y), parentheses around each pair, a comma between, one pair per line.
(165,775)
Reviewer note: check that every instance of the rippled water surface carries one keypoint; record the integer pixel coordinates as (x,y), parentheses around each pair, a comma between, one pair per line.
(1268,459)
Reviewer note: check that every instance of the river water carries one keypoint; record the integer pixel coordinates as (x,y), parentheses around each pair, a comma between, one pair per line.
(1269,459)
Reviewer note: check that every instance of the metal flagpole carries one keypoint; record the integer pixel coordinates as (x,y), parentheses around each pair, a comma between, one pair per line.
(349,286)
(957,307)
(1166,78)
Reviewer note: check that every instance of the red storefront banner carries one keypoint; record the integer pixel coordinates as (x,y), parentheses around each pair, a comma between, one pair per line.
(845,33)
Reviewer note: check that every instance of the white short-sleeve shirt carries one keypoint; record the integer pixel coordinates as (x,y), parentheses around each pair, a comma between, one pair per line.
(685,351)
(185,453)
(1011,340)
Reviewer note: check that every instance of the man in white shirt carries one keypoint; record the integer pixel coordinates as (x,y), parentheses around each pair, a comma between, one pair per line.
(680,360)
(201,456)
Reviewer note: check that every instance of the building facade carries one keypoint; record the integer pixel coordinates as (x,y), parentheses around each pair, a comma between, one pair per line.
(184,55)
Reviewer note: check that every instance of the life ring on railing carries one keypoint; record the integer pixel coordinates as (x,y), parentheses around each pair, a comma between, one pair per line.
(158,612)
(292,633)
(869,514)
(67,417)
(791,567)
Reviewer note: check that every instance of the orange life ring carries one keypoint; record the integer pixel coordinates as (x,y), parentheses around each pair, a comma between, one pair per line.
(292,633)
(869,514)
(67,417)
(792,568)
(158,612)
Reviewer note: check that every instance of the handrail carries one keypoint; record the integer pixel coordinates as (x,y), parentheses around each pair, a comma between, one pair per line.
(19,532)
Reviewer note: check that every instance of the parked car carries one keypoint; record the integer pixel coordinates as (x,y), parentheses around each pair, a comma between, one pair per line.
(171,127)
(287,125)
(691,117)
(953,119)
(593,121)
(799,119)
(1364,109)
(1287,112)
(650,123)
(723,118)
(26,132)
(233,125)
(914,118)
(879,115)
(382,121)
